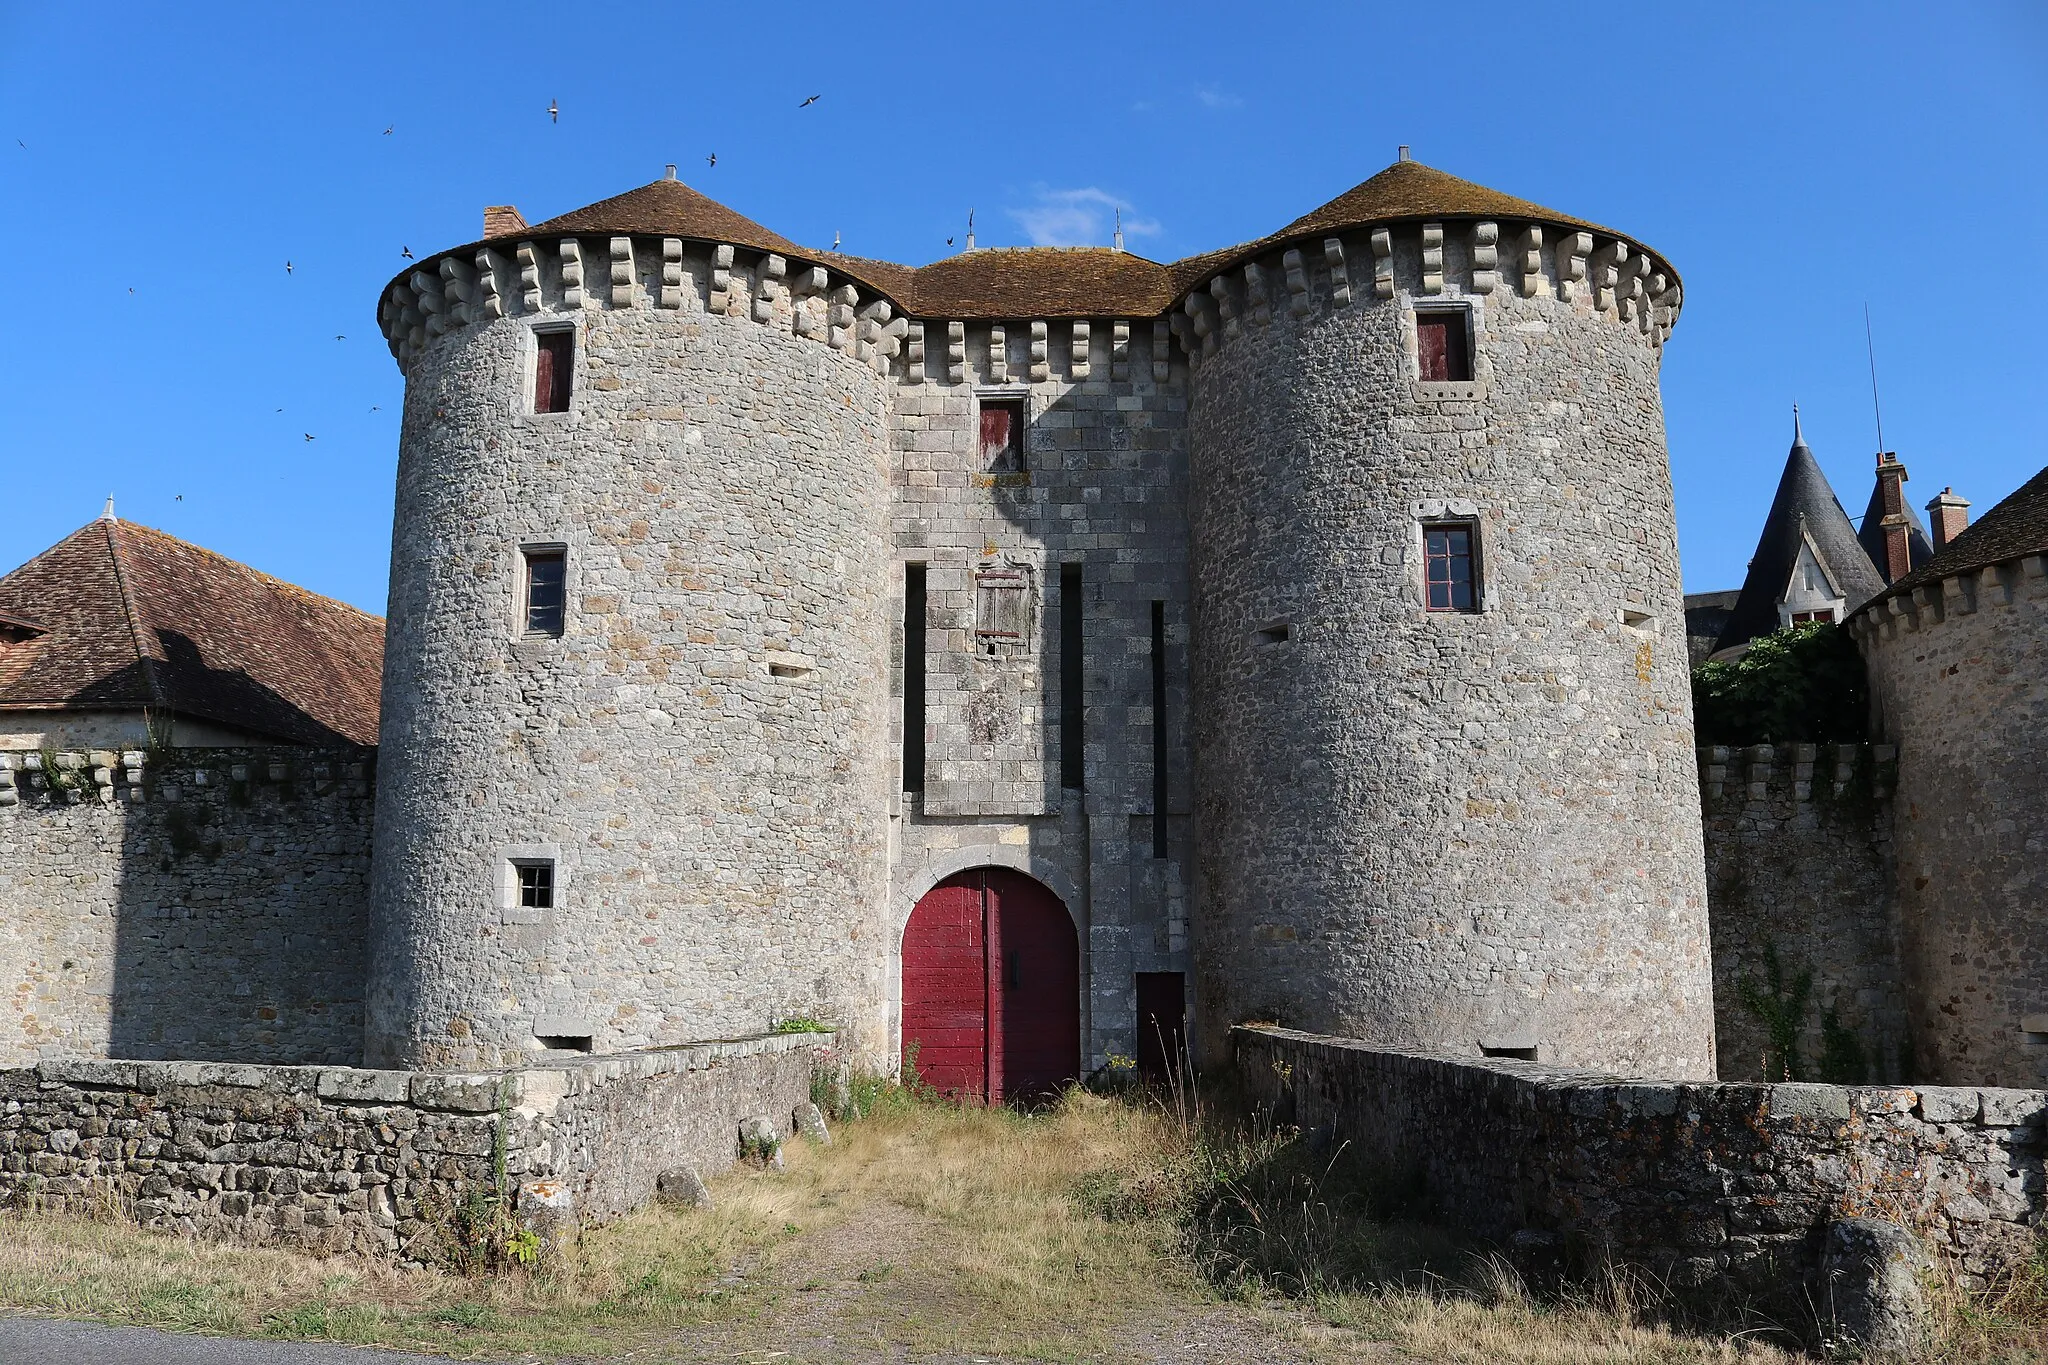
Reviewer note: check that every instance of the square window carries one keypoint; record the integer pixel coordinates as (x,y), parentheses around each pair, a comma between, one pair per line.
(1451,579)
(554,369)
(546,590)
(1002,435)
(536,885)
(1443,346)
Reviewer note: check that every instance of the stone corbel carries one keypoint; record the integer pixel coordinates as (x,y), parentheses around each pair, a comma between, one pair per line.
(1485,257)
(1079,361)
(1226,305)
(1432,258)
(913,363)
(1607,263)
(1572,250)
(806,285)
(1529,246)
(570,252)
(457,279)
(1297,284)
(432,306)
(671,273)
(529,278)
(1258,301)
(768,286)
(1340,274)
(1162,351)
(1382,263)
(998,354)
(1200,309)
(622,272)
(1041,367)
(1119,351)
(840,304)
(490,301)
(956,352)
(721,279)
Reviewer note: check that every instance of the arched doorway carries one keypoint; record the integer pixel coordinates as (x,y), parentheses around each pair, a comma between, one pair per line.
(992,944)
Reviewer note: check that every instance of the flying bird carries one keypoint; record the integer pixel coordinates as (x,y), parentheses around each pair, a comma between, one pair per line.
(835,239)
(19,143)
(949,241)
(287,267)
(179,498)
(376,407)
(808,103)
(406,252)
(712,159)
(309,435)
(554,113)
(131,288)
(388,127)
(339,337)
(280,409)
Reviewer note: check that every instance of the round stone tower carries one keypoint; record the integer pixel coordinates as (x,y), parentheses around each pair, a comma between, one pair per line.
(1447,794)
(633,785)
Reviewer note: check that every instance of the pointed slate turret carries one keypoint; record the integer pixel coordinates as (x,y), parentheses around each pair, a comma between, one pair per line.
(1806,529)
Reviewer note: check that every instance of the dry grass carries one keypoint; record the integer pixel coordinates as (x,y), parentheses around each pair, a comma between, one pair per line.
(1101,1231)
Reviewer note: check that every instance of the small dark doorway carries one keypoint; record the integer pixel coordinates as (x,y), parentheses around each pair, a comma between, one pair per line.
(1162,1037)
(992,944)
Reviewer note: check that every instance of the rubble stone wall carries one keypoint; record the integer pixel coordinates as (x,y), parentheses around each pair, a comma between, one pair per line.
(1959,681)
(1799,869)
(335,1159)
(204,904)
(1716,1188)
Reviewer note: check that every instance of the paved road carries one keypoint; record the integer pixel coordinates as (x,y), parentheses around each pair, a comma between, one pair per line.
(43,1341)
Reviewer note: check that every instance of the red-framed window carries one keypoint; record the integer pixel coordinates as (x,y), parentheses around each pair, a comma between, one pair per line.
(1451,566)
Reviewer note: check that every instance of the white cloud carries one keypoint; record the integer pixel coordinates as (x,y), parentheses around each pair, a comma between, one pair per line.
(1215,97)
(1083,217)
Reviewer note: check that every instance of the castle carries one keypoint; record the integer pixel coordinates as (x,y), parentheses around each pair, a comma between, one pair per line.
(1041,656)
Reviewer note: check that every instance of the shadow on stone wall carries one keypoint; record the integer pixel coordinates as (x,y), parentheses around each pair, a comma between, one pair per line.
(239,921)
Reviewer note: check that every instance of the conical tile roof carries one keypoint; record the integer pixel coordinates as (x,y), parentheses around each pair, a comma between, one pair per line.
(1043,282)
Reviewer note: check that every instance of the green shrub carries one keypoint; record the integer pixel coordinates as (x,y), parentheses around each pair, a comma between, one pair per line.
(1801,685)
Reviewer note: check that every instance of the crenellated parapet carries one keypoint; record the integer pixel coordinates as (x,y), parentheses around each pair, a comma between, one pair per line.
(1599,274)
(1993,587)
(1820,773)
(572,274)
(136,776)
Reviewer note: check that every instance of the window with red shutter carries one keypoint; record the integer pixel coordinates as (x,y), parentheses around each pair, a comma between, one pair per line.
(554,370)
(1002,435)
(1443,346)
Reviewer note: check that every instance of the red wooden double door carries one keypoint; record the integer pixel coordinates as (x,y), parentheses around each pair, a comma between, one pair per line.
(992,988)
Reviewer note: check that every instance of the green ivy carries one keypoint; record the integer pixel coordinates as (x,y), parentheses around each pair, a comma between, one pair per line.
(1801,685)
(1781,1007)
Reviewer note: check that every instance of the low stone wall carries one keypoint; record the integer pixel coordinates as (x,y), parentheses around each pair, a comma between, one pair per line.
(1721,1190)
(332,1159)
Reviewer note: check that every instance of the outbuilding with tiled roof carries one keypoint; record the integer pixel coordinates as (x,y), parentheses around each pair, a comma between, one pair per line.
(120,636)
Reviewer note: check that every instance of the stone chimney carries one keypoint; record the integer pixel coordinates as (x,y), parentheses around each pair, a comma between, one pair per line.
(1898,552)
(1947,515)
(502,220)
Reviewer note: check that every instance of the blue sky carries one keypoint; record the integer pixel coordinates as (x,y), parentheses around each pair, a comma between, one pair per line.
(1795,162)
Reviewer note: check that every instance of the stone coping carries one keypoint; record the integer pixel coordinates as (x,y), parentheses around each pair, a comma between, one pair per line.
(1989,1106)
(539,1086)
